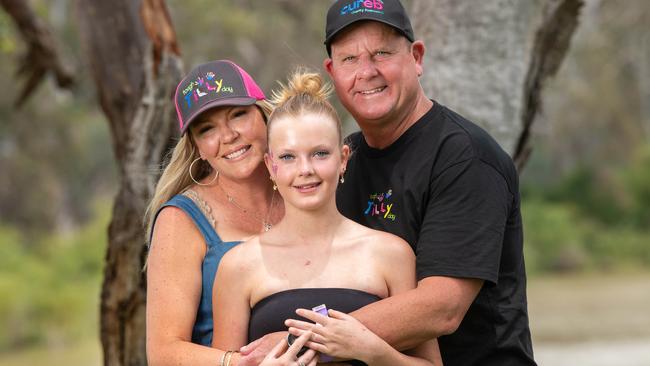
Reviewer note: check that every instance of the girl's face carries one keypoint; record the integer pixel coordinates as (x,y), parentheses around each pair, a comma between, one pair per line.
(231,139)
(305,160)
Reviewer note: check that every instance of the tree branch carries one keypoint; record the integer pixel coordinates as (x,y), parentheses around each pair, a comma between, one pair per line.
(41,56)
(551,44)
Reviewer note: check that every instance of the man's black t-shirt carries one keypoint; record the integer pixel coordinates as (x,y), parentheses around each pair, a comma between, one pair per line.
(448,189)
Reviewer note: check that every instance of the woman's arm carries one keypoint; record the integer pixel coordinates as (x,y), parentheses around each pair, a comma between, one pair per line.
(231,300)
(173,292)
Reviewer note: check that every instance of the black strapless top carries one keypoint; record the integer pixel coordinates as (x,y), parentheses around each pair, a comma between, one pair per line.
(269,314)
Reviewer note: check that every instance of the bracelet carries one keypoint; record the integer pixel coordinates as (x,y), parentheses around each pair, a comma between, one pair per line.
(225,358)
(230,353)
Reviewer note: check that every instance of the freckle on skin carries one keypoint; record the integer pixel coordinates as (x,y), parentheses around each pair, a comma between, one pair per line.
(308,262)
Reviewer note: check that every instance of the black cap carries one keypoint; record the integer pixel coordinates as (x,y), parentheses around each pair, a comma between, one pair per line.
(345,12)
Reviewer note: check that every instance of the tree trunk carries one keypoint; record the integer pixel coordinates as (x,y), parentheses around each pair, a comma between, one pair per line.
(132,52)
(488,60)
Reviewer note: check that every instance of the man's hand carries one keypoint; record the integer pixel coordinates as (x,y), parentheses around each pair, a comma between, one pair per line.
(254,353)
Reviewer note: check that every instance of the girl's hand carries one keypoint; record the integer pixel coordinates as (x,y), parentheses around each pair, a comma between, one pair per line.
(281,356)
(340,335)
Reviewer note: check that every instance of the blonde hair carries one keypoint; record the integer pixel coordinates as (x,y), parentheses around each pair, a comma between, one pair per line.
(175,177)
(305,92)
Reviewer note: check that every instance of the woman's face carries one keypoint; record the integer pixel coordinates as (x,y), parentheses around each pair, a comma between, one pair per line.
(305,160)
(231,139)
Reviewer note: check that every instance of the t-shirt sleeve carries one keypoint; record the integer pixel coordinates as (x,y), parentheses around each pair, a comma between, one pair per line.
(464,222)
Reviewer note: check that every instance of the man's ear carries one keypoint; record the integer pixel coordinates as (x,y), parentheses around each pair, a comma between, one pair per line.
(417,51)
(327,65)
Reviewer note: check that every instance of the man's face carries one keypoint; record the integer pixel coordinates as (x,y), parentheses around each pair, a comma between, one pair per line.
(375,73)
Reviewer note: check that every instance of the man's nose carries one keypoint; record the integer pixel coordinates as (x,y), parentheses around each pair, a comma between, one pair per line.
(367,68)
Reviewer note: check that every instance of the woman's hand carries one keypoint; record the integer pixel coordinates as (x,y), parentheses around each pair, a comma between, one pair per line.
(339,335)
(281,356)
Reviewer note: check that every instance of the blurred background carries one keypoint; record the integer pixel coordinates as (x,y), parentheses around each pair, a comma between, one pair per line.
(586,187)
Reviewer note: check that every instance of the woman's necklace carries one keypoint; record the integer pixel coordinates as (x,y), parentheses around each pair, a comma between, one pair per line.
(266,222)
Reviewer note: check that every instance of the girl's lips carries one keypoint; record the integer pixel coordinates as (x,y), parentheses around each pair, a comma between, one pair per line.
(307,187)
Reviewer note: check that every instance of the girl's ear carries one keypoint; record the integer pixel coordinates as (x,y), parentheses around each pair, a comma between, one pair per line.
(345,155)
(268,161)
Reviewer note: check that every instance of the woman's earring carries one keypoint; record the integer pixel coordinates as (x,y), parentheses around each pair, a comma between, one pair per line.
(275,186)
(198,183)
(342,179)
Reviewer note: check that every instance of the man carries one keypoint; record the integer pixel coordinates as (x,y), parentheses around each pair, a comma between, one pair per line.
(425,173)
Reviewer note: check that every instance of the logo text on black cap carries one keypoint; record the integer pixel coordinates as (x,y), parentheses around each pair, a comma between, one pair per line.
(359,6)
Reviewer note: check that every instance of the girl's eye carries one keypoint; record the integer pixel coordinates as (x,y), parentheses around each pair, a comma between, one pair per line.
(321,154)
(285,157)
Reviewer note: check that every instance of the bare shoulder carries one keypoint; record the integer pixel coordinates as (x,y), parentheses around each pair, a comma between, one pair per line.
(173,227)
(244,256)
(382,244)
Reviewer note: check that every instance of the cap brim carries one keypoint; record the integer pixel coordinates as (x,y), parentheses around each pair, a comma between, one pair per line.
(218,103)
(328,40)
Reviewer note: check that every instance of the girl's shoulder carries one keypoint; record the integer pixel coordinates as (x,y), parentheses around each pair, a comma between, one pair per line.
(379,242)
(245,254)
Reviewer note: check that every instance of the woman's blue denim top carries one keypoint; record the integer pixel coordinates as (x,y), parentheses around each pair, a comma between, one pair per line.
(202,331)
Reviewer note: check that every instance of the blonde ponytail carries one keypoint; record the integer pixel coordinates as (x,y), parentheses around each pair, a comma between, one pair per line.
(305,92)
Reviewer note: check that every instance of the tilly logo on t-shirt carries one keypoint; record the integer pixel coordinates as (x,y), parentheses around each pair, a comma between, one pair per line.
(379,205)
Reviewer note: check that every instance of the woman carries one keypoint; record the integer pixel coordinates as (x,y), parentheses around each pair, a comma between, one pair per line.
(214,193)
(314,255)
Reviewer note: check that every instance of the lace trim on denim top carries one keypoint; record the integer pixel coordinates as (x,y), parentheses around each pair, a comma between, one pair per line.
(202,331)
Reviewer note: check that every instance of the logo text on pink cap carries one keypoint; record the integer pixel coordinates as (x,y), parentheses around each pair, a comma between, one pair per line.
(209,83)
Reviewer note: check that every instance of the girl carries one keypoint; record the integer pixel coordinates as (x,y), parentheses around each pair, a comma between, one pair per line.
(314,255)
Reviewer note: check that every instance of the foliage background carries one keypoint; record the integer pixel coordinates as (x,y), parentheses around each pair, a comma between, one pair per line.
(586,189)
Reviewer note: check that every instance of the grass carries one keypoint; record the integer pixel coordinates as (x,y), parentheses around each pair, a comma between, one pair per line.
(590,307)
(84,353)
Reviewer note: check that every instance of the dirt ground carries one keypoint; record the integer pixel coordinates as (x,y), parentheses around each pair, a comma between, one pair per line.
(591,320)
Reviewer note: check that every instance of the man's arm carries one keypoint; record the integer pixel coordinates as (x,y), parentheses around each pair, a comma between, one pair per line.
(435,307)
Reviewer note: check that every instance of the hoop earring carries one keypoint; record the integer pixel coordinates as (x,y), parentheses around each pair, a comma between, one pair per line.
(198,183)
